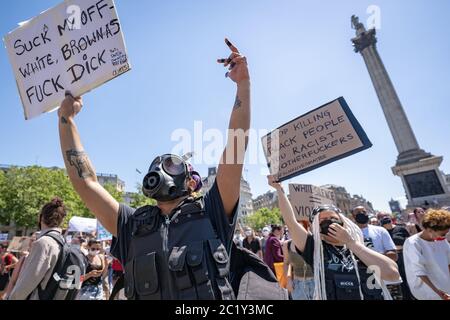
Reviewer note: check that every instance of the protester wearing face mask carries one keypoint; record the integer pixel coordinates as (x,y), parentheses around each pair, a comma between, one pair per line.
(399,234)
(375,237)
(274,252)
(427,258)
(337,254)
(265,235)
(251,242)
(92,288)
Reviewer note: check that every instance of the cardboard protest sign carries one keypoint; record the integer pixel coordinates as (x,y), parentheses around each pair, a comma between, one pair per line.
(86,225)
(304,198)
(76,46)
(102,233)
(324,135)
(20,244)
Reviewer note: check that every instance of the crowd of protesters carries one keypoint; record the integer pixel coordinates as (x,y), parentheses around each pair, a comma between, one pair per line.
(311,259)
(413,251)
(24,275)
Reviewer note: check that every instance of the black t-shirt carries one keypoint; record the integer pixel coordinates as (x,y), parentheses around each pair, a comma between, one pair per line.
(223,226)
(340,274)
(253,246)
(399,235)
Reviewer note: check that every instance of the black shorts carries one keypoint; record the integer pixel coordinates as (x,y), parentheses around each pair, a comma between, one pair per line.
(4,279)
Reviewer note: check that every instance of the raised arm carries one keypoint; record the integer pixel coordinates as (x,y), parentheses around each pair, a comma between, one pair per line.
(80,169)
(298,233)
(387,267)
(230,168)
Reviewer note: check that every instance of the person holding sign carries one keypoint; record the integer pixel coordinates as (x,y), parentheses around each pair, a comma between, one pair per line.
(180,248)
(337,254)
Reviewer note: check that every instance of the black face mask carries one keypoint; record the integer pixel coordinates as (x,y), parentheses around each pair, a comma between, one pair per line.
(166,179)
(362,218)
(325,225)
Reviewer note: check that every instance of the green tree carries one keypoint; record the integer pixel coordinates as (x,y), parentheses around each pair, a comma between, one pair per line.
(263,217)
(139,200)
(2,193)
(112,190)
(25,190)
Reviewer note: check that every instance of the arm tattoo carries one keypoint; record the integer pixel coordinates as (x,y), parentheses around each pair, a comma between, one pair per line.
(238,103)
(80,161)
(63,120)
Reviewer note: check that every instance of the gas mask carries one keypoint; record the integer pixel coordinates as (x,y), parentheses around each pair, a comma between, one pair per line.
(166,179)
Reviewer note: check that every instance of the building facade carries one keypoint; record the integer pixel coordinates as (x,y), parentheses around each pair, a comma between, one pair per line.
(111,179)
(245,202)
(268,200)
(347,202)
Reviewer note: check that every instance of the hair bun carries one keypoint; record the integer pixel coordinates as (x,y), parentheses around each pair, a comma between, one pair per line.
(57,202)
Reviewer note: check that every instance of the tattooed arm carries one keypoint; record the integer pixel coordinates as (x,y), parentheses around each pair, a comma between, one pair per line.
(230,168)
(80,169)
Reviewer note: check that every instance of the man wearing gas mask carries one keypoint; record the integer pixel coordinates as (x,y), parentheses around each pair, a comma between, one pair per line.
(180,248)
(336,252)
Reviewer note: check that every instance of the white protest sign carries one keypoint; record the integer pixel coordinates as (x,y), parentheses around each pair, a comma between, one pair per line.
(3,237)
(86,225)
(304,198)
(322,136)
(76,46)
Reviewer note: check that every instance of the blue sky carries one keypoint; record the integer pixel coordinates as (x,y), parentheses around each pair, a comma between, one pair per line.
(300,57)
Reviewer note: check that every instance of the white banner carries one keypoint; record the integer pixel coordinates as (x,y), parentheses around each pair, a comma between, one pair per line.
(86,225)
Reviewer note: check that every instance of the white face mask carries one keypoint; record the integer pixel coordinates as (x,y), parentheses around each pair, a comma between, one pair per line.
(248,233)
(76,246)
(93,253)
(265,233)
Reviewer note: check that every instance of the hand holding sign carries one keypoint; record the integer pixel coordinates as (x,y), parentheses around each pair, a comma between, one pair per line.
(274,183)
(238,68)
(70,107)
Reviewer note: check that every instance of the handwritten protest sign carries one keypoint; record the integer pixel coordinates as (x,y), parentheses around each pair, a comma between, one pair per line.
(20,244)
(304,198)
(76,46)
(102,233)
(322,136)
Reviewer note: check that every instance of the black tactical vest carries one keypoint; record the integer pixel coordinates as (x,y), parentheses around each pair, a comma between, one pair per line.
(178,257)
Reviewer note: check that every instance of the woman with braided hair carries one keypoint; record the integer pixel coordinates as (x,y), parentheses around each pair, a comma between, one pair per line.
(344,269)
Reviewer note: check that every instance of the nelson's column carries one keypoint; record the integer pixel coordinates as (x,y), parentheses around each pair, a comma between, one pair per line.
(424,183)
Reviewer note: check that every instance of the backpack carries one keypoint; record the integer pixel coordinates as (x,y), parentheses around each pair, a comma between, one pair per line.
(251,278)
(67,275)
